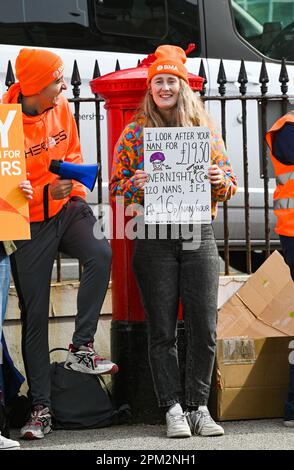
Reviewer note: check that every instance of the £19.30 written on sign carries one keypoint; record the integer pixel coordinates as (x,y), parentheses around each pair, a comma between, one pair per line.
(177,161)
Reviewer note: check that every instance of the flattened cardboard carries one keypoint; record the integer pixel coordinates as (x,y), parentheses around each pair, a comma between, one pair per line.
(255,328)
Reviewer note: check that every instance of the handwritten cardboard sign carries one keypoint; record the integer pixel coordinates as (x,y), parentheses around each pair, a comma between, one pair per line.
(14,208)
(178,190)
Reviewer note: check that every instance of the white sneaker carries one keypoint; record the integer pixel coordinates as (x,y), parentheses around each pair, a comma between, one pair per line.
(289,423)
(6,444)
(201,423)
(177,425)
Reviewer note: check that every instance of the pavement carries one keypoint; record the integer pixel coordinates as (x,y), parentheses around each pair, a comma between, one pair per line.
(269,434)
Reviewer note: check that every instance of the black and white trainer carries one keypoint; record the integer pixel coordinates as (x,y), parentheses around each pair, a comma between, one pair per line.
(86,360)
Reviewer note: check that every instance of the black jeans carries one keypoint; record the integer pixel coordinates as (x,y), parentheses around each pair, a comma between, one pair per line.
(167,271)
(288,253)
(289,404)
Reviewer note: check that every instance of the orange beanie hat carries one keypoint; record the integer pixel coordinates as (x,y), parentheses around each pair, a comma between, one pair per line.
(169,59)
(37,68)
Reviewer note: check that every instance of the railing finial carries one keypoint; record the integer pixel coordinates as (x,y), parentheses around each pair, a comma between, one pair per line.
(96,72)
(10,79)
(221,79)
(242,79)
(76,80)
(283,78)
(263,78)
(202,74)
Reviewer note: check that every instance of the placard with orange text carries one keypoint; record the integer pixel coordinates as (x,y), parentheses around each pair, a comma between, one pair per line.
(14,207)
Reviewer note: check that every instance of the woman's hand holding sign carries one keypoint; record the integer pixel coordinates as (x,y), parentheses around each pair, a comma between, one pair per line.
(215,175)
(140,179)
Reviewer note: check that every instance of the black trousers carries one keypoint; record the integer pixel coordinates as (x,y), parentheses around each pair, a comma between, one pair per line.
(71,232)
(288,253)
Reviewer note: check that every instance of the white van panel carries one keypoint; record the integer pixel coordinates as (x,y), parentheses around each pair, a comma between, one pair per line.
(218,37)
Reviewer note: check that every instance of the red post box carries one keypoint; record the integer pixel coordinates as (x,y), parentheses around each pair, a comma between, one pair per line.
(123,91)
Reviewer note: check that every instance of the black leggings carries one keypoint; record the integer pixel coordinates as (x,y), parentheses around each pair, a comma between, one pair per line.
(71,232)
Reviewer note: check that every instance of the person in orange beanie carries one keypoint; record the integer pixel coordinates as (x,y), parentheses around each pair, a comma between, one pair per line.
(169,60)
(175,267)
(280,140)
(61,220)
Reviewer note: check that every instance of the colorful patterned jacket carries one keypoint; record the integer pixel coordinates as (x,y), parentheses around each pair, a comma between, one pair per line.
(128,157)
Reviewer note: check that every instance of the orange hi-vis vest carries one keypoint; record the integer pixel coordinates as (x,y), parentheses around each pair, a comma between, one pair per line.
(284,192)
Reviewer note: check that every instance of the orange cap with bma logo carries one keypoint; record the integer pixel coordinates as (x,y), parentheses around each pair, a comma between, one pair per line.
(170,60)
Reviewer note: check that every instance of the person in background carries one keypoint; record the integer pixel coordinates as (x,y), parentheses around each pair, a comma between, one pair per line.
(61,220)
(169,269)
(6,249)
(280,139)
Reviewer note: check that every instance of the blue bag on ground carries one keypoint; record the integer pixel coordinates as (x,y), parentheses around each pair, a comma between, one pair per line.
(78,400)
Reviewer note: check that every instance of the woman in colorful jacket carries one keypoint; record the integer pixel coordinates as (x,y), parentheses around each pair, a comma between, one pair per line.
(165,269)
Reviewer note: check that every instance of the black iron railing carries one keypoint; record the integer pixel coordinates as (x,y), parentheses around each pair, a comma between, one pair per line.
(263,99)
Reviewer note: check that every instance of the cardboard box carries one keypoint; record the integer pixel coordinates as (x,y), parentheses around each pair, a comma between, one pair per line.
(255,328)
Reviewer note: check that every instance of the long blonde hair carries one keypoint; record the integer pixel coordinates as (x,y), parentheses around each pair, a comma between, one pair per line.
(189,111)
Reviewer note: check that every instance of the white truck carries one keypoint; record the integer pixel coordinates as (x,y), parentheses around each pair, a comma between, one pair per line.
(127,30)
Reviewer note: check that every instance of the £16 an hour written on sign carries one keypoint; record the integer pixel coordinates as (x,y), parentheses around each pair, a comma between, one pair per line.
(177,161)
